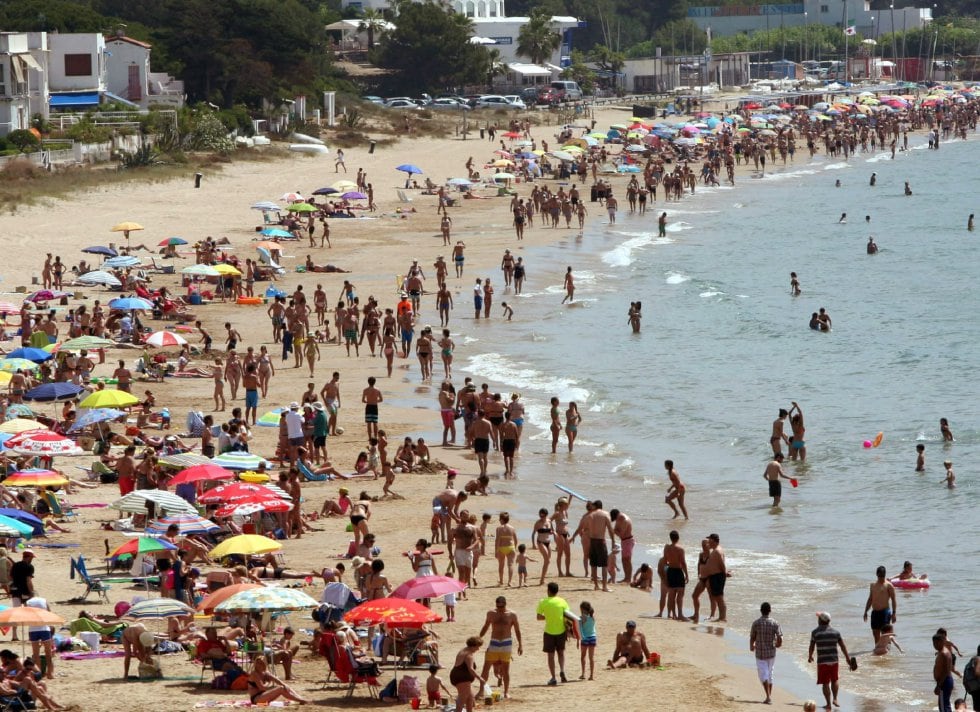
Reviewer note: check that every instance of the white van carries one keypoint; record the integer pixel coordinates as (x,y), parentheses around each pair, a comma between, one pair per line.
(570,91)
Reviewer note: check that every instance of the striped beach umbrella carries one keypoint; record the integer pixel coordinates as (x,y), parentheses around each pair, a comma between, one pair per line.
(185,523)
(162,339)
(36,478)
(143,545)
(240,461)
(158,608)
(20,425)
(267,598)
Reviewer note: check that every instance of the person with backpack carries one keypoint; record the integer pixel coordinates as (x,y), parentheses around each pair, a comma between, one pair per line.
(971,679)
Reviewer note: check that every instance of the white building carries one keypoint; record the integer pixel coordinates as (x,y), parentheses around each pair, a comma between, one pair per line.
(128,75)
(23,79)
(77,69)
(726,20)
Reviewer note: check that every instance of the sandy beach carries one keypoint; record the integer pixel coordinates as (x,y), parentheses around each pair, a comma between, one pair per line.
(375,250)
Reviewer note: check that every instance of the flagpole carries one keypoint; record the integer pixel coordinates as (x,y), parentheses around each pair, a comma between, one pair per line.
(847,37)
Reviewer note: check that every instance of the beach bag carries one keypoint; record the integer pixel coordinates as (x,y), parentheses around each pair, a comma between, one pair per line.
(389,691)
(409,689)
(970,680)
(150,670)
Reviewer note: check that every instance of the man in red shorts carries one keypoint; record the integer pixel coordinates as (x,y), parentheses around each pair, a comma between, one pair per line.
(825,640)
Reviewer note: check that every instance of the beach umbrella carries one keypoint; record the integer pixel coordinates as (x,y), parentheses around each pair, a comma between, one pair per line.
(95,415)
(276,232)
(201,271)
(503,176)
(409,168)
(562,155)
(130,303)
(126,227)
(209,602)
(301,208)
(100,277)
(245,545)
(172,241)
(291,197)
(28,615)
(267,598)
(4,380)
(100,250)
(11,365)
(36,478)
(238,491)
(246,508)
(502,163)
(162,339)
(325,191)
(20,410)
(427,587)
(53,392)
(511,134)
(270,419)
(185,523)
(183,460)
(37,526)
(393,612)
(8,308)
(19,425)
(268,245)
(354,195)
(240,461)
(158,608)
(344,185)
(143,545)
(109,399)
(87,342)
(201,473)
(136,502)
(43,443)
(462,182)
(121,261)
(16,528)
(265,205)
(228,270)
(29,353)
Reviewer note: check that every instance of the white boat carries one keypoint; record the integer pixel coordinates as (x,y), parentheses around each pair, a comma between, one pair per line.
(303,138)
(311,148)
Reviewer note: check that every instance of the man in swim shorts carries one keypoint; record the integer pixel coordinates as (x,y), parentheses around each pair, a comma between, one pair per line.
(464,541)
(631,648)
(503,626)
(676,574)
(371,397)
(481,431)
(881,602)
(777,437)
(774,471)
(596,525)
(623,526)
(716,572)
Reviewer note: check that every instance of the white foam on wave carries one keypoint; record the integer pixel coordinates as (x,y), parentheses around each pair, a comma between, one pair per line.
(624,466)
(788,174)
(711,293)
(836,166)
(622,256)
(880,157)
(738,205)
(678,226)
(605,407)
(499,368)
(606,449)
(470,339)
(677,278)
(777,571)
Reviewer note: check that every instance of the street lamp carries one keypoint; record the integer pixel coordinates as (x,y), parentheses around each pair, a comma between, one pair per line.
(806,33)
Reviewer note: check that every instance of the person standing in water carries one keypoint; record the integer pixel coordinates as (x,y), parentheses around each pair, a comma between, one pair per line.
(572,421)
(794,285)
(777,437)
(676,490)
(872,246)
(634,317)
(797,443)
(773,473)
(555,425)
(662,225)
(569,287)
(969,223)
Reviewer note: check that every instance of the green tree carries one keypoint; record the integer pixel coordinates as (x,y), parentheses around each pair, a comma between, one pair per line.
(607,60)
(580,72)
(430,49)
(372,22)
(495,66)
(538,39)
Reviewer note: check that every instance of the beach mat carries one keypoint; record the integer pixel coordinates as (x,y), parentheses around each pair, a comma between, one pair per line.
(55,546)
(102,654)
(94,505)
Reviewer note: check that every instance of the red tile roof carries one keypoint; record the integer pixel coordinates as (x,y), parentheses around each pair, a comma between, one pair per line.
(123,38)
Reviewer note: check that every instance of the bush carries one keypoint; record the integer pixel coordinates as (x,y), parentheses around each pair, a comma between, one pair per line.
(86,131)
(24,140)
(209,134)
(237,119)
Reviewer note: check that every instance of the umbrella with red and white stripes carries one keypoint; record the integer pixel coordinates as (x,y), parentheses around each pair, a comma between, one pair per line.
(162,339)
(43,442)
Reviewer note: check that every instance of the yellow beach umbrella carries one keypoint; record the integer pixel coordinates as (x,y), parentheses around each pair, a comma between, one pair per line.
(126,227)
(227,269)
(109,399)
(245,544)
(5,378)
(344,185)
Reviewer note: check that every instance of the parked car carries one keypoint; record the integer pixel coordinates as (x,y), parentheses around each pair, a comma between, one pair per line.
(570,91)
(374,100)
(449,105)
(401,104)
(549,95)
(515,101)
(529,95)
(493,101)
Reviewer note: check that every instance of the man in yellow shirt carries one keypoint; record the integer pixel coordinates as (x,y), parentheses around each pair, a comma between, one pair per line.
(552,610)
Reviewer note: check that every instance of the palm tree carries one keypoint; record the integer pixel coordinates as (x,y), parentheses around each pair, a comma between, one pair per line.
(372,21)
(538,40)
(496,67)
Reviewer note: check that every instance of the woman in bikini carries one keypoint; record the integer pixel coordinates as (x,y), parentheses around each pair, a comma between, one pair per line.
(555,425)
(422,562)
(563,545)
(505,549)
(464,673)
(264,687)
(219,385)
(233,373)
(702,584)
(572,420)
(359,514)
(541,535)
(388,347)
(266,370)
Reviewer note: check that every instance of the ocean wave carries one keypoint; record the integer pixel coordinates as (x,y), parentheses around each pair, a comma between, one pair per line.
(624,466)
(606,449)
(836,166)
(605,407)
(678,226)
(711,293)
(622,256)
(499,368)
(677,278)
(788,174)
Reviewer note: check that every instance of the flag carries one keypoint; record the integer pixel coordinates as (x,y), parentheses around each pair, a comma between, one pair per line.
(851,28)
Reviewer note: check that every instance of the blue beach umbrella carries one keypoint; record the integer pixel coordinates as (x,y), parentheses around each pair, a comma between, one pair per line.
(121,261)
(54,392)
(100,250)
(22,529)
(31,354)
(95,415)
(276,232)
(265,205)
(128,303)
(24,517)
(325,191)
(408,168)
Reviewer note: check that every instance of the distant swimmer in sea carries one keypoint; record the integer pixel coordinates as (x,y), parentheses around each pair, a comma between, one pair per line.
(867,219)
(815,322)
(920,458)
(634,316)
(950,478)
(969,223)
(874,179)
(825,319)
(837,184)
(908,188)
(872,246)
(944,429)
(843,219)
(794,285)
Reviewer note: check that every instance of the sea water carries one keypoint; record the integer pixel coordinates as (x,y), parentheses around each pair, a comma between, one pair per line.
(724,345)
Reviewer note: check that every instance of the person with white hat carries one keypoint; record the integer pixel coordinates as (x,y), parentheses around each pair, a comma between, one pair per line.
(825,640)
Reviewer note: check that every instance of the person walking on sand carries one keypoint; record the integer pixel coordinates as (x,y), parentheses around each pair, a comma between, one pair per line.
(764,637)
(569,287)
(339,161)
(676,491)
(371,397)
(552,610)
(504,627)
(596,525)
(882,603)
(825,641)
